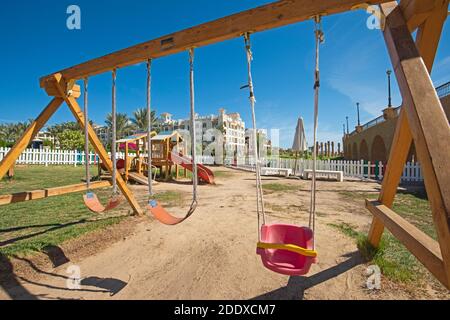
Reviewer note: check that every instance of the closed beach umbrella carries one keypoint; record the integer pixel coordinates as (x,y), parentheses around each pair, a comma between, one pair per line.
(300,144)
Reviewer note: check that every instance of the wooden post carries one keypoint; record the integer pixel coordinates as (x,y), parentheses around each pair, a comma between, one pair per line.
(98,146)
(11,157)
(127,164)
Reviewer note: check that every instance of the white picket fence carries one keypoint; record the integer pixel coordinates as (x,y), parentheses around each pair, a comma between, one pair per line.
(352,169)
(74,158)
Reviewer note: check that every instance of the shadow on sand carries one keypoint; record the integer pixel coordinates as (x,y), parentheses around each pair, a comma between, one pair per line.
(296,287)
(13,284)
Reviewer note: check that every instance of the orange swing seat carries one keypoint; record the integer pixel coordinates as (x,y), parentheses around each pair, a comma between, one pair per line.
(161,214)
(93,203)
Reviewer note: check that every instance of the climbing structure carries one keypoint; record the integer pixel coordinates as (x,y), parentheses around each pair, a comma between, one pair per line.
(422,118)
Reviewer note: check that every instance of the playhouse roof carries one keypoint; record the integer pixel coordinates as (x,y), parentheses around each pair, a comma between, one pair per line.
(135,137)
(167,135)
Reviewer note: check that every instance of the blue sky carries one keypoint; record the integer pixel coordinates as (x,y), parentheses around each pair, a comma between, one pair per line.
(36,42)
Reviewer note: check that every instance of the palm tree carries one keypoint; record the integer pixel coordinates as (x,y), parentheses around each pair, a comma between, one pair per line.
(3,132)
(123,124)
(57,129)
(17,130)
(140,119)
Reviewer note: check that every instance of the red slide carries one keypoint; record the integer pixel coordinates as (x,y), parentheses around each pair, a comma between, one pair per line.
(203,172)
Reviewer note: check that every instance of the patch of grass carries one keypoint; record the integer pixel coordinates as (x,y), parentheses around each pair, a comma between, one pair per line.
(358,196)
(31,226)
(223,174)
(413,206)
(39,177)
(346,229)
(394,260)
(171,199)
(278,187)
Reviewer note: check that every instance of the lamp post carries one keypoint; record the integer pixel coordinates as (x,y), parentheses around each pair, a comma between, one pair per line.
(359,118)
(389,72)
(348,132)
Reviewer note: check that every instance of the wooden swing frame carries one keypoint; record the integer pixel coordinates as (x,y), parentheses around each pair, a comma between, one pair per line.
(422,118)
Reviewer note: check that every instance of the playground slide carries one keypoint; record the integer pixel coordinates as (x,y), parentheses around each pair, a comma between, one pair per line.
(203,172)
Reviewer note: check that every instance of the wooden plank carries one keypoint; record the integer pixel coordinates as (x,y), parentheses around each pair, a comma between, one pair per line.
(424,248)
(273,15)
(427,43)
(10,159)
(98,146)
(51,192)
(428,123)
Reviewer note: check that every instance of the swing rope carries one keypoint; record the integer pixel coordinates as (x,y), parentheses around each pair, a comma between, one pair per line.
(259,191)
(156,209)
(114,133)
(193,135)
(149,132)
(319,40)
(90,199)
(86,135)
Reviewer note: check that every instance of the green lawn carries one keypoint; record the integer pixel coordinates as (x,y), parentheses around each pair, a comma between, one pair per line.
(32,226)
(279,187)
(395,261)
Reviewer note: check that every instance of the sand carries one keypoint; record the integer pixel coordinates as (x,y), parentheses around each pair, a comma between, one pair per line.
(212,255)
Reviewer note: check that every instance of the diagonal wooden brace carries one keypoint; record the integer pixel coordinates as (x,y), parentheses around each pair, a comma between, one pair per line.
(12,156)
(96,143)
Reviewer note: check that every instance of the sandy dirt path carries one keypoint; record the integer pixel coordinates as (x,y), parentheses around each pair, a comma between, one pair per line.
(212,255)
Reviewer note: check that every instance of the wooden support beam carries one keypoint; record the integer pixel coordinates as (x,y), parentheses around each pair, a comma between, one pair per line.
(430,32)
(424,248)
(98,146)
(398,156)
(427,42)
(51,192)
(428,123)
(273,15)
(417,11)
(12,156)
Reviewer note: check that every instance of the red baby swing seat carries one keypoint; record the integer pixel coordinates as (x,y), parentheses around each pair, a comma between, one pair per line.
(287,249)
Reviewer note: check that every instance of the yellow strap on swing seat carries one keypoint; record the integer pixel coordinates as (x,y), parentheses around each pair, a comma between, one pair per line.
(288,247)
